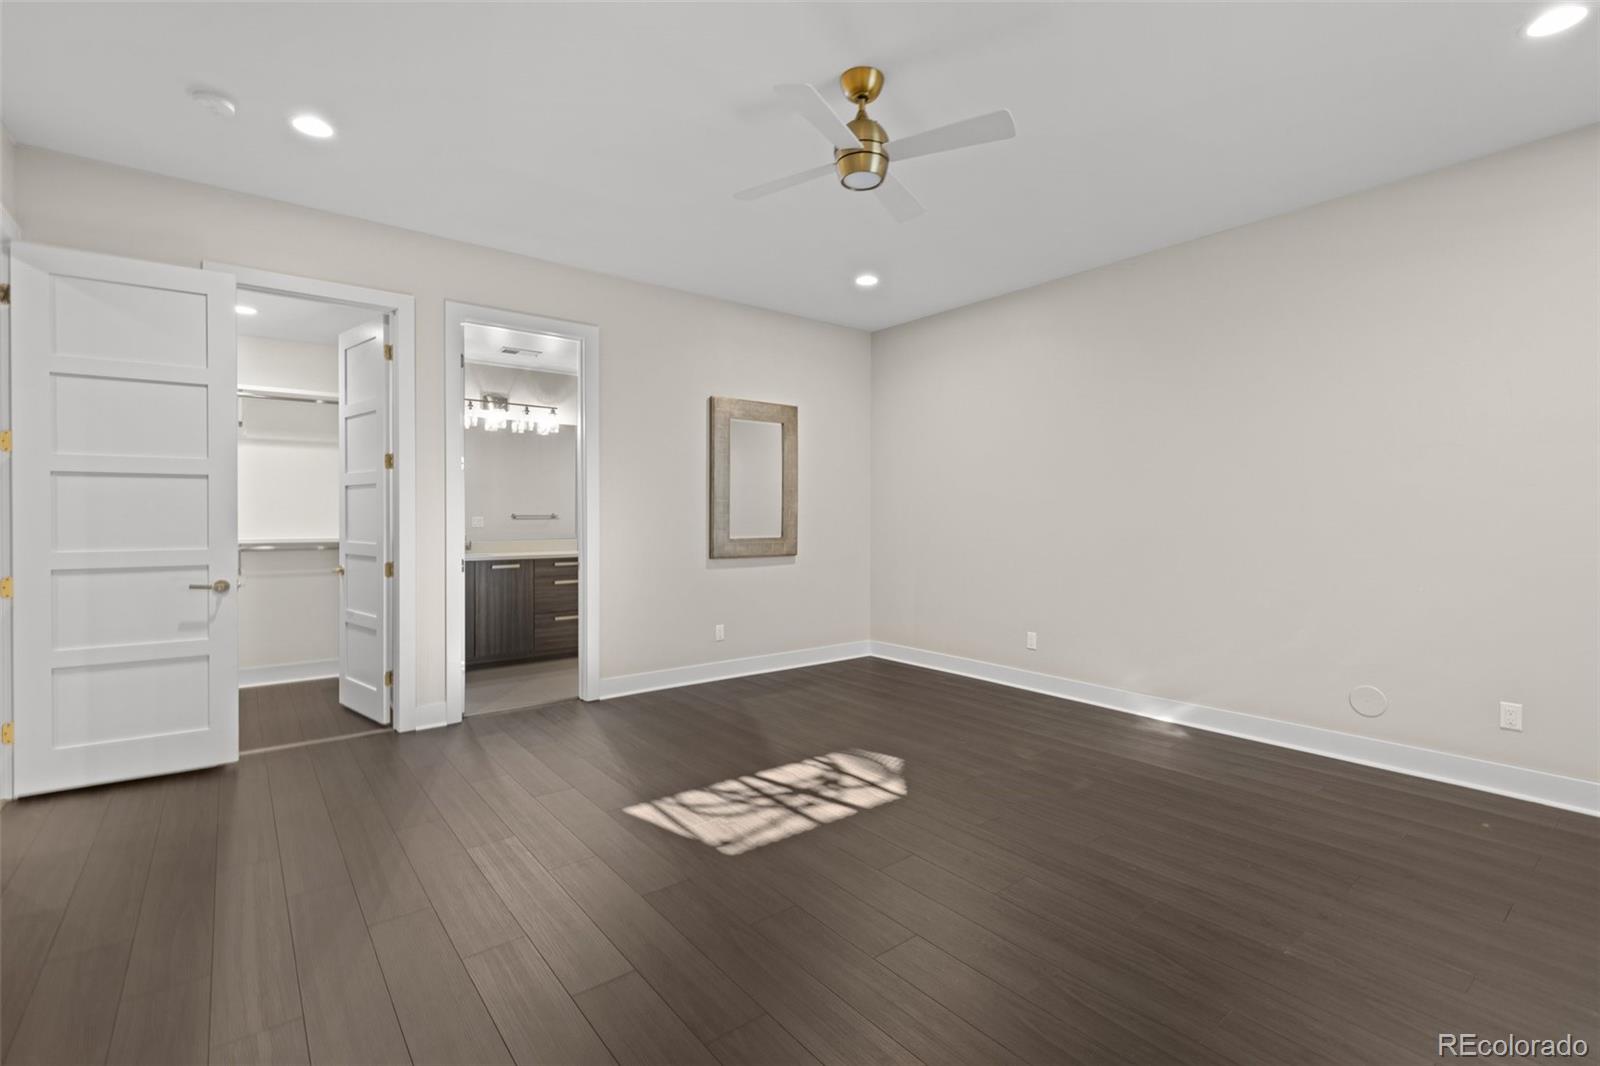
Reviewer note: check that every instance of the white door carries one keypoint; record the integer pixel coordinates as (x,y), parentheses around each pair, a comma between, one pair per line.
(364,521)
(124,469)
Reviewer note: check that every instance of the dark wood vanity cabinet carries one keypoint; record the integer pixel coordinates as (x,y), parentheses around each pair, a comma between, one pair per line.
(555,604)
(521,609)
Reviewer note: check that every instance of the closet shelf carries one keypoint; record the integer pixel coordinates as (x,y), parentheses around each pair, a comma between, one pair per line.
(254,392)
(288,545)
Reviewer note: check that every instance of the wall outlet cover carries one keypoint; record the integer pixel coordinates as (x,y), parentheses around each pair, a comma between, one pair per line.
(1368,701)
(720,633)
(1511,716)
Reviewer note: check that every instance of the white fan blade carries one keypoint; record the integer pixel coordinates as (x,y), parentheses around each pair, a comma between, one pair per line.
(897,199)
(781,184)
(810,105)
(995,126)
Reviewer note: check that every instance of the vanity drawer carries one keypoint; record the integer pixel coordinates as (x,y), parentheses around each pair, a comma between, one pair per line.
(555,634)
(555,586)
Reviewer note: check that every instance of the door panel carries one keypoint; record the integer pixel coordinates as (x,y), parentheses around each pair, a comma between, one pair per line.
(152,418)
(363,521)
(107,318)
(125,451)
(109,512)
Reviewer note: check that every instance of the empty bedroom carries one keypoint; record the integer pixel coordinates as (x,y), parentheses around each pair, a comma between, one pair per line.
(640,534)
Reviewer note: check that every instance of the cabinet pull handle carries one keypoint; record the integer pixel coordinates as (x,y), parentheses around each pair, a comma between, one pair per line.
(565,581)
(565,562)
(564,618)
(505,566)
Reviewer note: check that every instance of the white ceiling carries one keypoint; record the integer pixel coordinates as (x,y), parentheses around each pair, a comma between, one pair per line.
(612,136)
(484,344)
(294,318)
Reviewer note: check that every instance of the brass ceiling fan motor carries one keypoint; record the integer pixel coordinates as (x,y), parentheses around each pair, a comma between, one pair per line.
(865,167)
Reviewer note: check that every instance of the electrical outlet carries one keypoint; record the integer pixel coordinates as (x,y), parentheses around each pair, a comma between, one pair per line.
(720,632)
(1511,716)
(1033,641)
(477,521)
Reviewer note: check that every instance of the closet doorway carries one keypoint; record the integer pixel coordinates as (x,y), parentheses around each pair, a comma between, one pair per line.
(317,531)
(519,533)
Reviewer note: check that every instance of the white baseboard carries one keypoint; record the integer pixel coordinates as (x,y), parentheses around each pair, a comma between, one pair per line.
(651,680)
(283,673)
(1553,790)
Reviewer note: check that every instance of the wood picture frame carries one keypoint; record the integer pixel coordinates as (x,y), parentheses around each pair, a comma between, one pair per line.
(724,411)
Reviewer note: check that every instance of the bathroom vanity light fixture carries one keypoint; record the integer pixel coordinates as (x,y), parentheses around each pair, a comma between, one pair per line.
(494,413)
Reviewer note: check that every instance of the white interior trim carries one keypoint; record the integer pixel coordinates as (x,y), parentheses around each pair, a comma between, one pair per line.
(284,673)
(8,233)
(1552,790)
(456,315)
(723,669)
(402,309)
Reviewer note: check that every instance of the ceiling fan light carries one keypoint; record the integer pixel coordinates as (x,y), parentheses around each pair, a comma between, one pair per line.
(863,168)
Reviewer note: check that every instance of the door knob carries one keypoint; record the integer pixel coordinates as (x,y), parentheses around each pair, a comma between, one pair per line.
(219,585)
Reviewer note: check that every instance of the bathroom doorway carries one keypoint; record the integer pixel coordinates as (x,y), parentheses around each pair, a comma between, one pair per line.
(515,495)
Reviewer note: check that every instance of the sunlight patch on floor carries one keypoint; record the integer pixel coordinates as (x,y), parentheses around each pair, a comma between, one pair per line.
(746,812)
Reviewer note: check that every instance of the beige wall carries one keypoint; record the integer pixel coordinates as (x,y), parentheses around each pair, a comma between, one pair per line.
(8,178)
(663,353)
(1354,444)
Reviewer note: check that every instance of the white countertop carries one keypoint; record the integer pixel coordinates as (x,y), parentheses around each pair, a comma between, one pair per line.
(550,553)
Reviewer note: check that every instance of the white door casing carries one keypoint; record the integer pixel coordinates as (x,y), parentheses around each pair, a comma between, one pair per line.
(364,533)
(124,475)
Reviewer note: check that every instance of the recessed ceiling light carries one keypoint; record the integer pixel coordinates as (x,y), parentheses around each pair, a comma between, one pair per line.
(243,309)
(214,102)
(866,281)
(312,126)
(1556,20)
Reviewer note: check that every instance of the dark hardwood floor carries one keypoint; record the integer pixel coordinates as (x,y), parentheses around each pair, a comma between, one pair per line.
(298,712)
(1058,884)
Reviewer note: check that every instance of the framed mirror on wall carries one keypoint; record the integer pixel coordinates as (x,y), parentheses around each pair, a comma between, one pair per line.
(755,478)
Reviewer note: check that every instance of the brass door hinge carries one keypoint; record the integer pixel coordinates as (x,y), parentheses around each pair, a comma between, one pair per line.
(7,733)
(5,298)
(388,460)
(5,588)
(5,440)
(388,352)
(388,570)
(388,678)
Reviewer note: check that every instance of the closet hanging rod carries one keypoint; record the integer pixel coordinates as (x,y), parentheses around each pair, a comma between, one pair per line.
(293,397)
(552,516)
(288,545)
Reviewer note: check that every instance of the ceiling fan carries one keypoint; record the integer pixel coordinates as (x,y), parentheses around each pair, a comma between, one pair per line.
(861,148)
